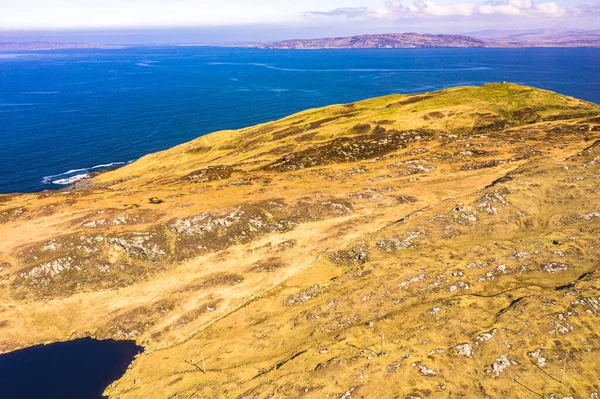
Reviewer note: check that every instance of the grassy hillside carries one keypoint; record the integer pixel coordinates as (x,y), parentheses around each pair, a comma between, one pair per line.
(434,245)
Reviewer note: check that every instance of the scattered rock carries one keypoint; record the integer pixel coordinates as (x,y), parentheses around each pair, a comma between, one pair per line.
(537,355)
(501,364)
(464,349)
(427,372)
(464,215)
(303,296)
(554,267)
(486,336)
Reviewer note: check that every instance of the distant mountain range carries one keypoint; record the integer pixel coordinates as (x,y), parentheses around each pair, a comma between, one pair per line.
(416,40)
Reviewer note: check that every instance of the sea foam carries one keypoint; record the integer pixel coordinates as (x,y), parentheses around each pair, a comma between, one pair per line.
(73,175)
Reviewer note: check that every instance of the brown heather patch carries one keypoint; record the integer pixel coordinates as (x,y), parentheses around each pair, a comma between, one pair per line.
(481,165)
(192,315)
(218,279)
(267,265)
(489,122)
(200,149)
(361,128)
(379,130)
(6,198)
(349,149)
(566,116)
(356,255)
(12,214)
(133,323)
(175,381)
(247,181)
(211,173)
(311,211)
(285,149)
(287,132)
(318,123)
(297,128)
(285,245)
(306,137)
(433,115)
(406,199)
(412,99)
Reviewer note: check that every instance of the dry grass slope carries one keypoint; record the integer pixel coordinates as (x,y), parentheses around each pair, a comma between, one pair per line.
(435,245)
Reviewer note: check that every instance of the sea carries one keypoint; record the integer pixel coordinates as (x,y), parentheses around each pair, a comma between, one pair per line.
(67,113)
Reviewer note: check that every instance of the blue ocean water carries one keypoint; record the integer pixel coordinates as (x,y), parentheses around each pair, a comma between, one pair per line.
(66,113)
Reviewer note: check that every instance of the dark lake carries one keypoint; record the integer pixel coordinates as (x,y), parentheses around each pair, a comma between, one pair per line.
(79,369)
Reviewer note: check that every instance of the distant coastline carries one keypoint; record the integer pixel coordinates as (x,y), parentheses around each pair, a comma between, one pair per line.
(416,40)
(484,39)
(47,46)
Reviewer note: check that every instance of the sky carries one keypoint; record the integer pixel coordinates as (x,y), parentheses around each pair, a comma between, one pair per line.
(261,20)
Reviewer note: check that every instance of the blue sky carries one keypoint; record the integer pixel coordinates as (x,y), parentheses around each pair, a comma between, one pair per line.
(308,18)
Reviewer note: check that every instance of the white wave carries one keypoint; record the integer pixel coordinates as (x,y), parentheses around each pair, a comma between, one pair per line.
(70,180)
(93,62)
(72,175)
(69,172)
(41,92)
(108,165)
(146,63)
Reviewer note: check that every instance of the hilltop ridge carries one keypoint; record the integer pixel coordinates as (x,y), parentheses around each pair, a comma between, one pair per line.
(437,244)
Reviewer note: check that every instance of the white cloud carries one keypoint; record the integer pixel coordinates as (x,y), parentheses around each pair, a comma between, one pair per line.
(442,10)
(501,9)
(527,4)
(552,9)
(348,12)
(394,9)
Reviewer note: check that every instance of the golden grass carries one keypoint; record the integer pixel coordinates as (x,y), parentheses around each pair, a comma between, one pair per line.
(283,252)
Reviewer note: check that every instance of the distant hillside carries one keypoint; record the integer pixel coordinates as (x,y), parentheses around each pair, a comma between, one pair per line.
(415,40)
(388,40)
